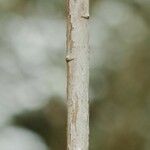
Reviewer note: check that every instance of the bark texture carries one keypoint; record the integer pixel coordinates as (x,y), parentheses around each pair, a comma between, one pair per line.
(77,59)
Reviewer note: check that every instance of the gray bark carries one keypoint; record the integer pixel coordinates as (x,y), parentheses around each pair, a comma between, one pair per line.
(77,59)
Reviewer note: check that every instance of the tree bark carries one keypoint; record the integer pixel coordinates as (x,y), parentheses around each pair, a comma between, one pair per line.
(77,59)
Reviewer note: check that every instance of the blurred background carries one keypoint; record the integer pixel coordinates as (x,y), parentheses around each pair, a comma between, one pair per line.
(33,75)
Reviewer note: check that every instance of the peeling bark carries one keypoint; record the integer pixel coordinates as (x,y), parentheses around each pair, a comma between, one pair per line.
(77,60)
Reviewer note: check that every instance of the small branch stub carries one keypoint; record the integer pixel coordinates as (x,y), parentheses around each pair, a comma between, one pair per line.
(85,16)
(69,58)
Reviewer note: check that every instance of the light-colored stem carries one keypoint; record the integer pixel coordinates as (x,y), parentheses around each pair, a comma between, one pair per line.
(77,59)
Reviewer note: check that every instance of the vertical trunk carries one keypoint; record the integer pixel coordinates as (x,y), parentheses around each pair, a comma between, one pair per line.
(77,74)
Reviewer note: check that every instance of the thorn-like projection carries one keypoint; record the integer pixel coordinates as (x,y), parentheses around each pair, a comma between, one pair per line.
(68,58)
(85,16)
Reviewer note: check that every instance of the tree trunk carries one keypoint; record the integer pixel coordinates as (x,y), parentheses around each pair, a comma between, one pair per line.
(77,74)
